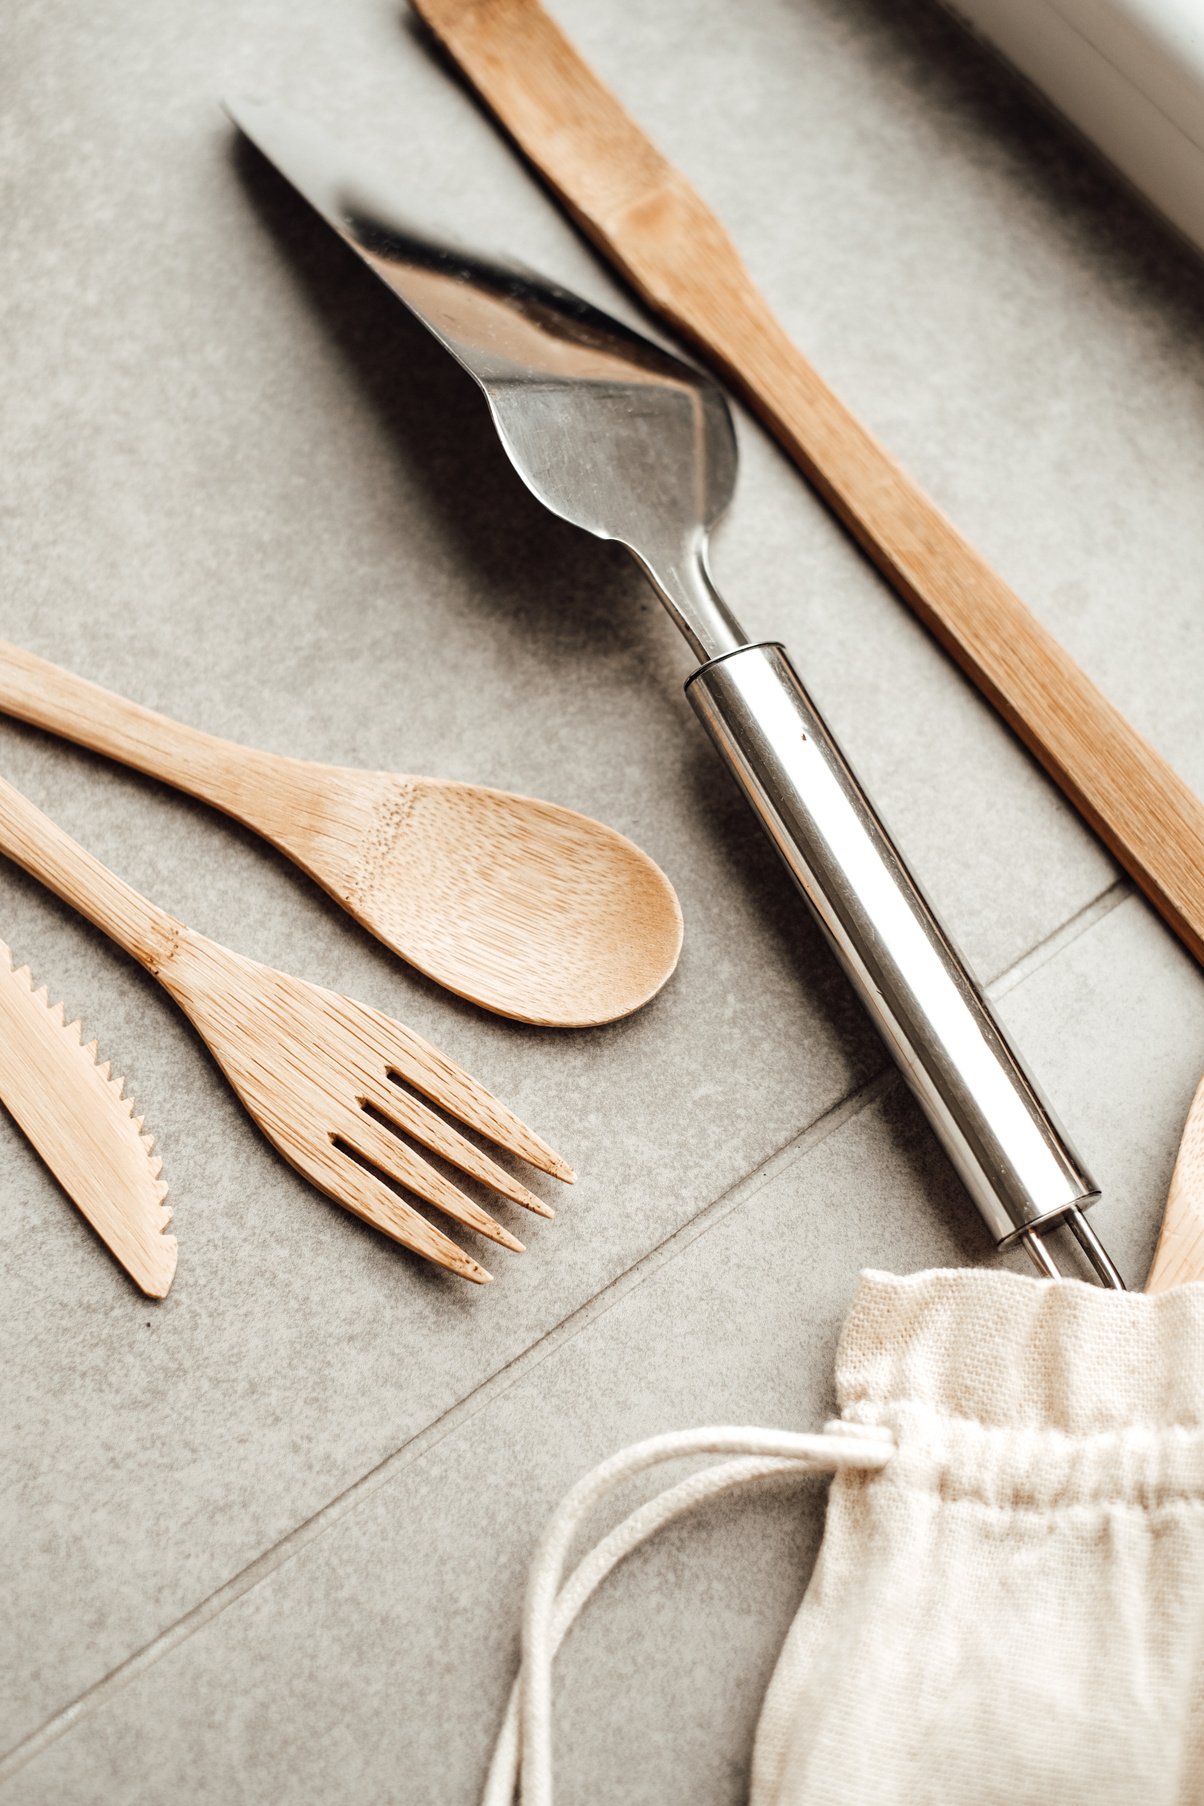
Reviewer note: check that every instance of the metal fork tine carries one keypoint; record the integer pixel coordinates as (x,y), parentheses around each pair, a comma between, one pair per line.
(401,1162)
(369,1198)
(457,1092)
(424,1126)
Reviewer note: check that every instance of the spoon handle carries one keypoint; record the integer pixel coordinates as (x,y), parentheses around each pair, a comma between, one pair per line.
(241,781)
(43,849)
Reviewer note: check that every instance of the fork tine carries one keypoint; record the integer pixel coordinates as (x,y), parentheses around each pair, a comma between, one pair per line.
(457,1092)
(392,1155)
(369,1198)
(423,1126)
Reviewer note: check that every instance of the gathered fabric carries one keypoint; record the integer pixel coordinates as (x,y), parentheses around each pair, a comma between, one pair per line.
(1008,1604)
(1012,1611)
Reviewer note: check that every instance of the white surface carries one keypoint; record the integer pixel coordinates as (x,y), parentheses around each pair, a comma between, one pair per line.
(1128,73)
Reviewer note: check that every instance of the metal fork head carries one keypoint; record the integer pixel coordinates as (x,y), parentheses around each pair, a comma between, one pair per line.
(608,430)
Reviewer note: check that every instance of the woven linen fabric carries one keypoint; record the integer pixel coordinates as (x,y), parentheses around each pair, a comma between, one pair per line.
(1010,1613)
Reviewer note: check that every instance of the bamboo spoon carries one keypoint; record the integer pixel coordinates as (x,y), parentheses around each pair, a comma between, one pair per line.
(1179,1256)
(328,1080)
(523,907)
(644,215)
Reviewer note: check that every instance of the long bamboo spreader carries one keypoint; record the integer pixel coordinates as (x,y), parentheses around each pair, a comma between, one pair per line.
(645,216)
(1179,1256)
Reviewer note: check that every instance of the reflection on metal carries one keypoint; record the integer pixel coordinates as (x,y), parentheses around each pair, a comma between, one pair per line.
(616,435)
(608,430)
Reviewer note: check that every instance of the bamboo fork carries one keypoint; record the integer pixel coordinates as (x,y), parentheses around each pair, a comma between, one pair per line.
(644,215)
(328,1080)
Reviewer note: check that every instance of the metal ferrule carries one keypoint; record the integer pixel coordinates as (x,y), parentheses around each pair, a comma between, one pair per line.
(995,1126)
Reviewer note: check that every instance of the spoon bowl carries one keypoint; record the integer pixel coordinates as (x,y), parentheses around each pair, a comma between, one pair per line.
(531,910)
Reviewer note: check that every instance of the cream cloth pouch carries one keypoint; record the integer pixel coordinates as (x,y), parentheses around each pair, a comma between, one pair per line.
(1010,1611)
(1008,1606)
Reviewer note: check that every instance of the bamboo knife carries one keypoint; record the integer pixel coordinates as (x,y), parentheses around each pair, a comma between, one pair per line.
(77,1116)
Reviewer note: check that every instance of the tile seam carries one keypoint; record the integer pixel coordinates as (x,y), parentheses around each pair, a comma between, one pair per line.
(496,1384)
(1052,945)
(462,1411)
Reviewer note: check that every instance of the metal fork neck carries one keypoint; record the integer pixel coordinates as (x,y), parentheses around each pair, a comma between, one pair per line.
(682,581)
(1010,1151)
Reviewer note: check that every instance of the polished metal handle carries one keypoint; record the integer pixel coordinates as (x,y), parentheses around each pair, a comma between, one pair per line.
(1005,1142)
(615,434)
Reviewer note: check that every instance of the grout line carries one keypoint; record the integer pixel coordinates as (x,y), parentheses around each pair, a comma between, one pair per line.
(1118,892)
(464,1409)
(740,1192)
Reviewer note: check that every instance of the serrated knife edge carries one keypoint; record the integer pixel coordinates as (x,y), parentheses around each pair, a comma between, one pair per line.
(77,1117)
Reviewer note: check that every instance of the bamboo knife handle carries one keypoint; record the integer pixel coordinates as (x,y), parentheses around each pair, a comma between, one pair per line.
(645,216)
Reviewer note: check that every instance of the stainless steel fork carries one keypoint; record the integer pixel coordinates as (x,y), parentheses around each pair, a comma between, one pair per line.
(616,435)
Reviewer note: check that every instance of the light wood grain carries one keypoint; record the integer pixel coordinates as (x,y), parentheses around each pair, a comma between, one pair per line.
(1179,1256)
(523,907)
(645,216)
(77,1116)
(330,1081)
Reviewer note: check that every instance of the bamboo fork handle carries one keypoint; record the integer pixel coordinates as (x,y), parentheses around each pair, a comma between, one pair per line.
(32,841)
(233,778)
(646,217)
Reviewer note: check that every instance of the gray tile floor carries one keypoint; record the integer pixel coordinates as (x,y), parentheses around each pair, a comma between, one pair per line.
(265,1542)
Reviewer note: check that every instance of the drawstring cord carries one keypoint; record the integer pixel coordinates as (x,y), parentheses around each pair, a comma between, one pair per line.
(524,1744)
